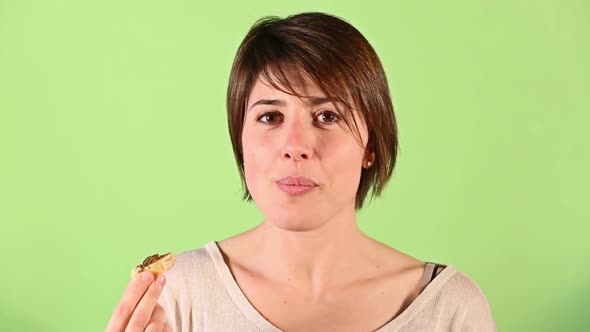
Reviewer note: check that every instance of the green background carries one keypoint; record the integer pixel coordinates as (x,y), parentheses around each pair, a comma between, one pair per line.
(114,146)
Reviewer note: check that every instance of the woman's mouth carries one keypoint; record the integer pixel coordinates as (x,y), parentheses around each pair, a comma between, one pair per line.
(296,185)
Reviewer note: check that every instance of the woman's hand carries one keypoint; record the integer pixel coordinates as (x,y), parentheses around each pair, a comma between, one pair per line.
(138,310)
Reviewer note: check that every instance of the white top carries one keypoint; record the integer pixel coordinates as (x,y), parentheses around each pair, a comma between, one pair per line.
(202,295)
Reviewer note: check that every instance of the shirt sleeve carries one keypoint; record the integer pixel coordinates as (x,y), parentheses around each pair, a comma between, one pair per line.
(169,302)
(477,313)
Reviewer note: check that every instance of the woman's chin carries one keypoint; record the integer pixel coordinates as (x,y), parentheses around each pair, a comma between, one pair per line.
(294,224)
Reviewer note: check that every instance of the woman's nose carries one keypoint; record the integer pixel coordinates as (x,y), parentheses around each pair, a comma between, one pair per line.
(298,143)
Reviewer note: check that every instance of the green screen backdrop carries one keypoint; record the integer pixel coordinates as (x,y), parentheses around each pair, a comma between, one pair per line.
(114,146)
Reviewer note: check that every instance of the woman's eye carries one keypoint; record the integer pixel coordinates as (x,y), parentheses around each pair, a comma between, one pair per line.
(328,117)
(269,118)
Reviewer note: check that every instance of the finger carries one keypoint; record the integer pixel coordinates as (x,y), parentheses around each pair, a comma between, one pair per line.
(131,297)
(156,323)
(142,313)
(167,327)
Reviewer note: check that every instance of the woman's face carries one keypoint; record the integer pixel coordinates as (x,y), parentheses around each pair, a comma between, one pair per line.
(302,162)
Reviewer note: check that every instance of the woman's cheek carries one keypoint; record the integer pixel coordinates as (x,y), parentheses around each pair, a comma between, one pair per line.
(256,156)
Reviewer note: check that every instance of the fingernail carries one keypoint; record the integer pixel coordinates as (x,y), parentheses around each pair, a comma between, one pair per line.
(147,276)
(161,280)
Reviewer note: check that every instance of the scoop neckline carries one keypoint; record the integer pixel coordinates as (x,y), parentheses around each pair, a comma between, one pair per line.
(244,305)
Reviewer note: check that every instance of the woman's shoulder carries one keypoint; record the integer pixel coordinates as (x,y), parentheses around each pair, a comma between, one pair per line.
(191,256)
(191,266)
(464,299)
(459,285)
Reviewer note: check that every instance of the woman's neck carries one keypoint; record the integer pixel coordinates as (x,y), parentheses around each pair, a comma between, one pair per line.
(312,261)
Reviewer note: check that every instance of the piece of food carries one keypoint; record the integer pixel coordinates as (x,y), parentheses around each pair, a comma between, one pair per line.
(156,264)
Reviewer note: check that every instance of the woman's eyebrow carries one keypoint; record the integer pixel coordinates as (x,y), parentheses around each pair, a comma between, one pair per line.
(314,101)
(274,102)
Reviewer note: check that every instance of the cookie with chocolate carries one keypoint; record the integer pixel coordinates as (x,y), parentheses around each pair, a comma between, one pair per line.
(157,264)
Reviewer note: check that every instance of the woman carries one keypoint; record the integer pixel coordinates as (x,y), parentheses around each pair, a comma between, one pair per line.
(313,131)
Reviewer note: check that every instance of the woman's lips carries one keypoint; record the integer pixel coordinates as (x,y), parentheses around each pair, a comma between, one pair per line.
(296,185)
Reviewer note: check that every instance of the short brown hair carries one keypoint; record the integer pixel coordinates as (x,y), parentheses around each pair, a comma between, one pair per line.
(336,57)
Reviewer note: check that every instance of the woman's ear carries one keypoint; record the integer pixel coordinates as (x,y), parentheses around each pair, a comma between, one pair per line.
(369,159)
